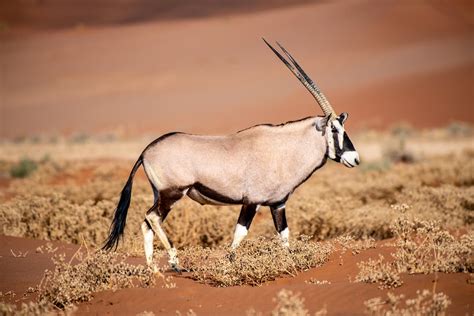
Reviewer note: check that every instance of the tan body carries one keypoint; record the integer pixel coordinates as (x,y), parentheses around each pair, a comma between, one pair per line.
(259,165)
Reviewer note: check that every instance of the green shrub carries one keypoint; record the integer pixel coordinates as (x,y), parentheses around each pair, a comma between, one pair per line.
(23,168)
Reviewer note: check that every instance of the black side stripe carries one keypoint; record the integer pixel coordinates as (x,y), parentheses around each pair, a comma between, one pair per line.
(214,195)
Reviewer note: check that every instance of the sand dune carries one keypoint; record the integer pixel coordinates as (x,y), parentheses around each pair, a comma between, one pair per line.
(214,74)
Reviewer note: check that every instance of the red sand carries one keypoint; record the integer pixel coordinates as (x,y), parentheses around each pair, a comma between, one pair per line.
(382,61)
(341,297)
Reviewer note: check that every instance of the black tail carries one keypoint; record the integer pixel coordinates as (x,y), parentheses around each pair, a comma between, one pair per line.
(120,216)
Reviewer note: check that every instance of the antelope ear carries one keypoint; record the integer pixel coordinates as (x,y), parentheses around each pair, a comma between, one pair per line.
(343,117)
(321,123)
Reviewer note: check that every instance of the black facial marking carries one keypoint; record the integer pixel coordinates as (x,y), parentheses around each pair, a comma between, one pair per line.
(346,145)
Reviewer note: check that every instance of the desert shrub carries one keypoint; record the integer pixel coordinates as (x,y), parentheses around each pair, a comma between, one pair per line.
(395,150)
(459,129)
(421,247)
(348,242)
(379,271)
(148,313)
(74,201)
(398,153)
(288,304)
(55,218)
(191,224)
(33,308)
(254,262)
(189,312)
(23,168)
(317,282)
(70,283)
(79,138)
(425,303)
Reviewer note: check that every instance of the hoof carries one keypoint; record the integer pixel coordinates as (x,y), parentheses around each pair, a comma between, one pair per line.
(231,256)
(176,268)
(154,268)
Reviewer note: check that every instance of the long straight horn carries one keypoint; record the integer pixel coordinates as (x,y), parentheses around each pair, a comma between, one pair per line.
(306,81)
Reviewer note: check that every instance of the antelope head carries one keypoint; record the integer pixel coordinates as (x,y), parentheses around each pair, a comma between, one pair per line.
(339,145)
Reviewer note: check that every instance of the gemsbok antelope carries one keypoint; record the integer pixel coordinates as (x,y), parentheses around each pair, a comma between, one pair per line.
(260,165)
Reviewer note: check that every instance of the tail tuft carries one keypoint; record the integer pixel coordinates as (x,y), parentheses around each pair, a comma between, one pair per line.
(120,216)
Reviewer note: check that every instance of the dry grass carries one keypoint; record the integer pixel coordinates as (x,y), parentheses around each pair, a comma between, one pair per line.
(33,308)
(288,304)
(348,242)
(425,303)
(424,247)
(70,283)
(317,282)
(379,271)
(74,201)
(421,247)
(254,262)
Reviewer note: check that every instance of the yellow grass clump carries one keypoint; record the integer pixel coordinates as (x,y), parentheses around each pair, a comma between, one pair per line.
(421,247)
(75,201)
(70,283)
(255,261)
(425,303)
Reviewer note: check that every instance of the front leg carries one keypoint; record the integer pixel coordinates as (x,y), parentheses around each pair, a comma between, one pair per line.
(243,223)
(279,220)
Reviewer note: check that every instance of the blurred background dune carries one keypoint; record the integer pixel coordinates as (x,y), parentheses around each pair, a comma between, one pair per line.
(148,67)
(85,85)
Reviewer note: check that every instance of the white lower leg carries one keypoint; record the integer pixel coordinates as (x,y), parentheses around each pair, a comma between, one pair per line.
(155,224)
(239,234)
(285,237)
(148,244)
(173,257)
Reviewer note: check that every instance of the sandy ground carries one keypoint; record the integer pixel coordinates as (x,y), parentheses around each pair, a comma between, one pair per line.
(146,73)
(341,296)
(381,61)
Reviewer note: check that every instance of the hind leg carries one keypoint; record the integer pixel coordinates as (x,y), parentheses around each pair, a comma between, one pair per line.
(155,222)
(155,217)
(147,232)
(148,243)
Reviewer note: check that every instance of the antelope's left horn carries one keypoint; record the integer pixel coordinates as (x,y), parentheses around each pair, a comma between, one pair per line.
(306,81)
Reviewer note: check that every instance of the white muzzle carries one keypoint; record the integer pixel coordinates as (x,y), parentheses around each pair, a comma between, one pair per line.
(350,159)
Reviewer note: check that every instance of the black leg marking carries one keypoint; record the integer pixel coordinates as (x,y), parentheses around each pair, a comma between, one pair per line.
(152,209)
(148,224)
(279,217)
(169,197)
(247,214)
(243,223)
